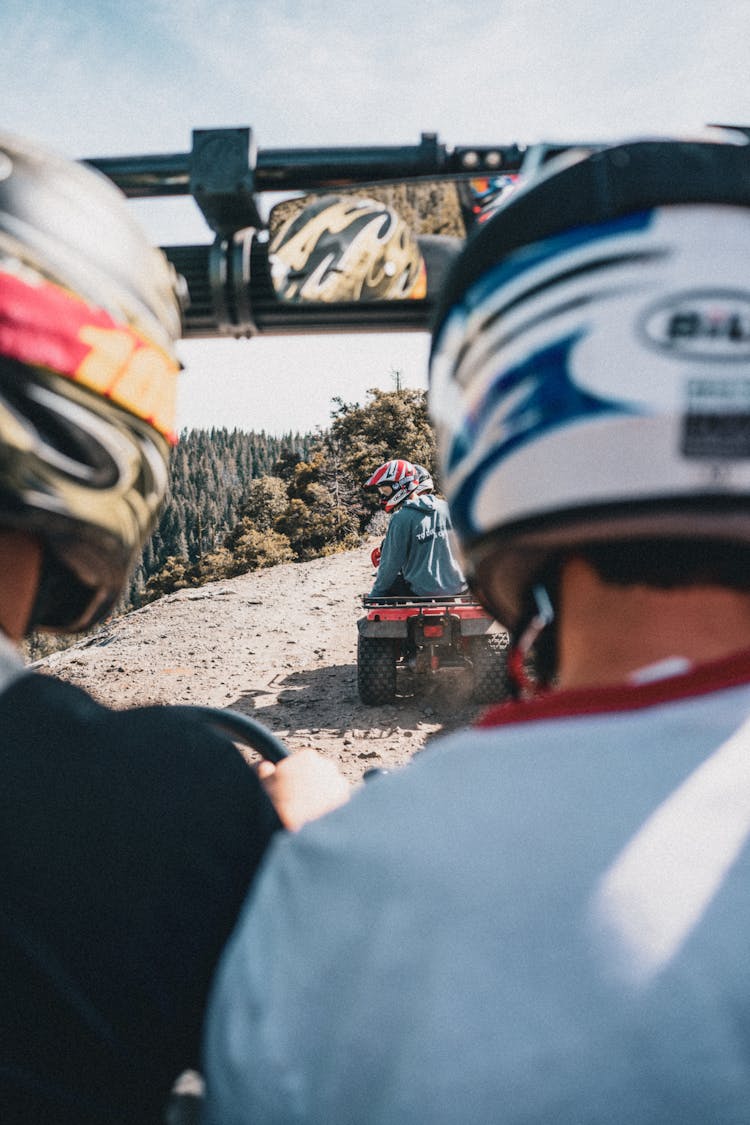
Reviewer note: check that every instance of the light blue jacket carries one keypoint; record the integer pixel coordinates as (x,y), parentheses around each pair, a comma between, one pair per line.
(541,922)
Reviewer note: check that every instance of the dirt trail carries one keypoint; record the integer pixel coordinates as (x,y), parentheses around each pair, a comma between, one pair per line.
(277,644)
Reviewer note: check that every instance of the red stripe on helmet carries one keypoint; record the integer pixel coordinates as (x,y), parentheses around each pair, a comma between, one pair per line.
(40,324)
(43,325)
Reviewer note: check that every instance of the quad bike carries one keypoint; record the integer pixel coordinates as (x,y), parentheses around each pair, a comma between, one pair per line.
(422,636)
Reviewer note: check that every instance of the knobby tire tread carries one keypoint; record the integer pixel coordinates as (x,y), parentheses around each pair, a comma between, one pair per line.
(489,656)
(376,669)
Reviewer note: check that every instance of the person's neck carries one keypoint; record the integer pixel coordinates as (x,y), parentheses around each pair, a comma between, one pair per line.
(607,632)
(20,568)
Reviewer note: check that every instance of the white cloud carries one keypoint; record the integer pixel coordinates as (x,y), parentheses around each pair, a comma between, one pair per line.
(485,71)
(264,384)
(139,78)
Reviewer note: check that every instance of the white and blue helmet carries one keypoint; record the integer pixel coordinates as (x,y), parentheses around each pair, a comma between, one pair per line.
(590,367)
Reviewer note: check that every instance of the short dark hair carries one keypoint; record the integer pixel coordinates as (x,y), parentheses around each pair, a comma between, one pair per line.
(670,563)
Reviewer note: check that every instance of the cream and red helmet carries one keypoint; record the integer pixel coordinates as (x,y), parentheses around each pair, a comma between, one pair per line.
(89,314)
(398,479)
(590,366)
(346,248)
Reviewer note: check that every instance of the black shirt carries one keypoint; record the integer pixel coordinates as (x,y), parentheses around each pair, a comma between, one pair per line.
(128,841)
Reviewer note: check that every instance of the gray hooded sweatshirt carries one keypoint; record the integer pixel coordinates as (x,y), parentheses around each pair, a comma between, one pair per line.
(418,545)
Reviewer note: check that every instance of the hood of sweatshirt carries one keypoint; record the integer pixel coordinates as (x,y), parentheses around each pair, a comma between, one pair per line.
(424,503)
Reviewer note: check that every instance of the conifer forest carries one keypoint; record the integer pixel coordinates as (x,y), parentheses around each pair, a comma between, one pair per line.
(242,500)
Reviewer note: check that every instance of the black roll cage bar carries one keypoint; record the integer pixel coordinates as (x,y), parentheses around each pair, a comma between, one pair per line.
(229,288)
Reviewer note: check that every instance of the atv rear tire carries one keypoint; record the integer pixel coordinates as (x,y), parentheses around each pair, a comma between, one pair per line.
(376,669)
(489,658)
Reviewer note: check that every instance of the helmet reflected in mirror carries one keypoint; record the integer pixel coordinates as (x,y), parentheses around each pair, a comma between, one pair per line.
(89,316)
(345,248)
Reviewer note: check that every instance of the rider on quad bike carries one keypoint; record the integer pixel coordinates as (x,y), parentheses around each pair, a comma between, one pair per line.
(419,614)
(425,484)
(416,557)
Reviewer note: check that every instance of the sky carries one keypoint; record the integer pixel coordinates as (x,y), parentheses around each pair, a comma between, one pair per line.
(99,78)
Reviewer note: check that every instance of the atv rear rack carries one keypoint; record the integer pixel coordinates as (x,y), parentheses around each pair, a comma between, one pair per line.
(388,616)
(413,599)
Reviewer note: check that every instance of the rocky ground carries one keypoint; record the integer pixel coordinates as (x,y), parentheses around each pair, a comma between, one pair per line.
(279,645)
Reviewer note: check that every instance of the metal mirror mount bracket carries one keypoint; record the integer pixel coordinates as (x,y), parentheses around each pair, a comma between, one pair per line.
(222,178)
(230,266)
(223,280)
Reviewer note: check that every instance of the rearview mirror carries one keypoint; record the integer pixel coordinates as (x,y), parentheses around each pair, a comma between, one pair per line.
(233,289)
(439,193)
(385,242)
